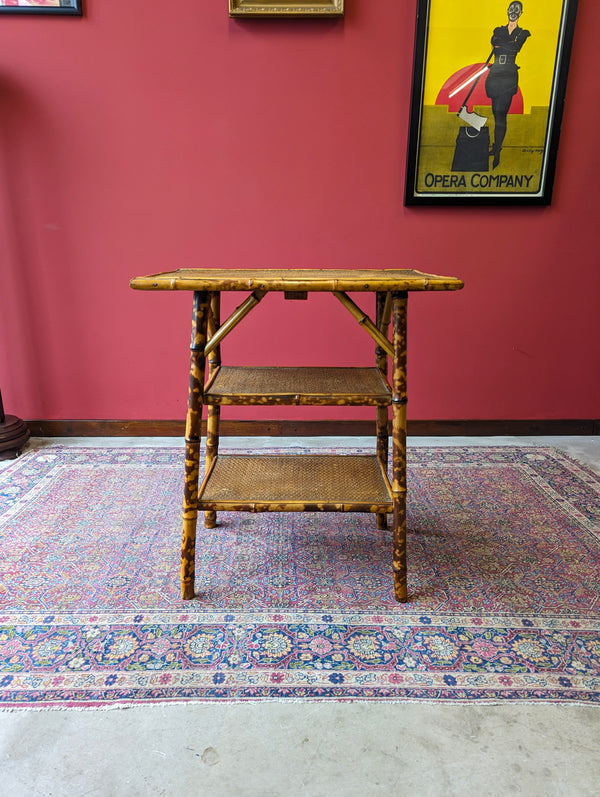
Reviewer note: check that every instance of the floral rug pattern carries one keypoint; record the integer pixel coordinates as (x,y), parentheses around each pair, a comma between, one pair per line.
(504,568)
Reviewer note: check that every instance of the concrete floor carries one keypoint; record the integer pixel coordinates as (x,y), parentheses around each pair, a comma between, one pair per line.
(312,749)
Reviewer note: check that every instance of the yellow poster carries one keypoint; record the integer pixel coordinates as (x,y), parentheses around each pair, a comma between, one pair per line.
(487,98)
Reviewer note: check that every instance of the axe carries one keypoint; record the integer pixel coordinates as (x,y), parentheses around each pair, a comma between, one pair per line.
(470,117)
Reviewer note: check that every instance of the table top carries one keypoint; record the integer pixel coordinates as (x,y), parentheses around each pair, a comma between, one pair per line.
(294,279)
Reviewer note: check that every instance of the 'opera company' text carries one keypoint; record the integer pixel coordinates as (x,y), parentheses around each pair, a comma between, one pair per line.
(478,180)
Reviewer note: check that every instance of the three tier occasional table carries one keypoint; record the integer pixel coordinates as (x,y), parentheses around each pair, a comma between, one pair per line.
(296,483)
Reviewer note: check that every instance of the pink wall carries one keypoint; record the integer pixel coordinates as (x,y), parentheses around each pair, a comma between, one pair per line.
(148,136)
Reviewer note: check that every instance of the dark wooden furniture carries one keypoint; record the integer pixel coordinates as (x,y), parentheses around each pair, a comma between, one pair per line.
(14,434)
(296,483)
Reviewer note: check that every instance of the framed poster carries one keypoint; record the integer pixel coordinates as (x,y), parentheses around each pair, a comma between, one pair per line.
(40,7)
(487,99)
(291,8)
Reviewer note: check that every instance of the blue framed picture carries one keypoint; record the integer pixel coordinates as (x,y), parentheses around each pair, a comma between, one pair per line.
(72,7)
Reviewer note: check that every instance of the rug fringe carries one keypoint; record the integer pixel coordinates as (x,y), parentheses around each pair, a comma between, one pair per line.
(298,701)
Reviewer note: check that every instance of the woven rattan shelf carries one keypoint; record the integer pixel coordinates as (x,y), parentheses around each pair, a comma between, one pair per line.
(319,483)
(296,483)
(313,386)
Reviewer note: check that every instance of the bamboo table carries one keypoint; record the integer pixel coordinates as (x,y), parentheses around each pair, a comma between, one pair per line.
(296,483)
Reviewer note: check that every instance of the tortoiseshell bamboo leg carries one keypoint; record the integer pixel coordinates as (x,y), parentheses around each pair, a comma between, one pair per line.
(193,432)
(381,359)
(399,398)
(214,410)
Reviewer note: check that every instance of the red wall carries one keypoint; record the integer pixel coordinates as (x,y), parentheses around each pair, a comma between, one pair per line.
(151,135)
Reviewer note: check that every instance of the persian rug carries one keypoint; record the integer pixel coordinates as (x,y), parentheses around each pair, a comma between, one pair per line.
(504,573)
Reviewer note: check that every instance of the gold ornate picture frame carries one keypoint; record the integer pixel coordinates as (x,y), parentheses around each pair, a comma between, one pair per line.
(293,8)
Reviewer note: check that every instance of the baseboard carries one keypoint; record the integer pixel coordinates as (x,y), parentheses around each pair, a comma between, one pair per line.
(287,428)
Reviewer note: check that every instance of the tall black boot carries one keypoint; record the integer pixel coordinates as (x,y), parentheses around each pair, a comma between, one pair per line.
(495,154)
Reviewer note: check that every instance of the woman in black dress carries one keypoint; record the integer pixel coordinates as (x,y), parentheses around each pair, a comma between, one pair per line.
(502,82)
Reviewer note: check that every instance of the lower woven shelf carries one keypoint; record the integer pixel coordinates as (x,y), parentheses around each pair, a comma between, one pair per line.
(296,483)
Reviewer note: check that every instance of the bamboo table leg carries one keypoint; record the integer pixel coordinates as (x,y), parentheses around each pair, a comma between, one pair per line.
(193,432)
(214,410)
(381,357)
(399,398)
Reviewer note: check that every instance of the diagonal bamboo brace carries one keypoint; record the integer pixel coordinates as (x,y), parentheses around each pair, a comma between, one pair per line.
(364,320)
(234,319)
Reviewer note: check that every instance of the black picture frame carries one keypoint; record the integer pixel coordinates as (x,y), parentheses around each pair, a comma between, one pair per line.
(65,7)
(452,156)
